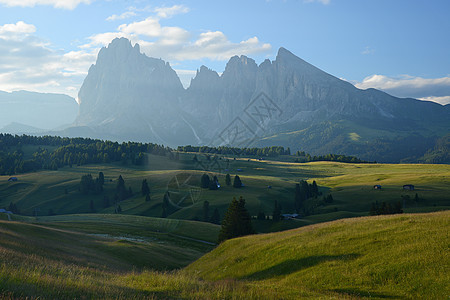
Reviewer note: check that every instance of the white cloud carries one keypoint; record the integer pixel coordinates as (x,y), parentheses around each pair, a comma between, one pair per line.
(28,63)
(167,12)
(18,28)
(125,15)
(64,4)
(367,50)
(432,89)
(441,100)
(176,43)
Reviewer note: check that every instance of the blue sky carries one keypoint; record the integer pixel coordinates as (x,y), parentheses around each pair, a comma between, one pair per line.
(402,47)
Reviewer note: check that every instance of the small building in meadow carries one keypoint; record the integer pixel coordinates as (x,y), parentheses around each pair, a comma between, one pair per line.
(290,216)
(377,187)
(12,179)
(408,187)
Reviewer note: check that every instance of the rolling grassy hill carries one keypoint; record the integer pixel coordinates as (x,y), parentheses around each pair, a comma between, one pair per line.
(350,184)
(404,256)
(401,256)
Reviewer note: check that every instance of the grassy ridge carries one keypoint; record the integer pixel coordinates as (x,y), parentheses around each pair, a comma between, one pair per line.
(401,256)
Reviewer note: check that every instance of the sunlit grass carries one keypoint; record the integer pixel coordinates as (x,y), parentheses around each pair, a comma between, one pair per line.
(403,256)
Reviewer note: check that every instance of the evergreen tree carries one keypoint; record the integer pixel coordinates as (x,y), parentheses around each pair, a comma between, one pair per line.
(236,222)
(213,184)
(314,189)
(101,178)
(205,181)
(228,180)
(120,188)
(215,218)
(86,184)
(237,183)
(145,189)
(276,215)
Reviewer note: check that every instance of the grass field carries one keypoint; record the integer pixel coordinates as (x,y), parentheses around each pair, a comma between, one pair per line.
(350,184)
(400,256)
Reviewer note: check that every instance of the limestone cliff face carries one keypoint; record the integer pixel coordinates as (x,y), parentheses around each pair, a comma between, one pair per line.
(130,96)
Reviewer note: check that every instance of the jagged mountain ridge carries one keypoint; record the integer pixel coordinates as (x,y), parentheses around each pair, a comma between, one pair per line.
(128,95)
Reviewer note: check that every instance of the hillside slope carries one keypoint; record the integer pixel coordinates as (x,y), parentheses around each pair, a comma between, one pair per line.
(402,256)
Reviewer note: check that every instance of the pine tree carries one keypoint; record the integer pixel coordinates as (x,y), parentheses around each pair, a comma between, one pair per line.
(101,178)
(237,183)
(228,180)
(120,188)
(205,181)
(236,222)
(145,189)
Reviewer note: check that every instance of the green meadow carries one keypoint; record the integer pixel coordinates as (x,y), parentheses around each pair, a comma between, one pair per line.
(351,186)
(396,257)
(65,244)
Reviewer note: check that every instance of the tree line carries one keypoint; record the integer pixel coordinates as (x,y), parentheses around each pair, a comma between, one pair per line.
(272,151)
(306,157)
(68,152)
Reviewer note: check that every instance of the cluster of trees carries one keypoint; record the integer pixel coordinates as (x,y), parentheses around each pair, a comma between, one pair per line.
(306,157)
(89,185)
(69,151)
(304,191)
(266,151)
(385,208)
(207,182)
(236,222)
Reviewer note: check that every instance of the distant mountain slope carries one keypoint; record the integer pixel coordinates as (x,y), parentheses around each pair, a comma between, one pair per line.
(287,102)
(42,111)
(400,256)
(127,95)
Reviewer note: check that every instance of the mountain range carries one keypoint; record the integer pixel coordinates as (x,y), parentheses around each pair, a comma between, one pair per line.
(285,102)
(289,102)
(31,113)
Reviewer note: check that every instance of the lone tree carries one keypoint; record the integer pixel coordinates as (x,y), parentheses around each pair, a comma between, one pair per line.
(237,221)
(120,188)
(237,183)
(145,189)
(205,181)
(228,180)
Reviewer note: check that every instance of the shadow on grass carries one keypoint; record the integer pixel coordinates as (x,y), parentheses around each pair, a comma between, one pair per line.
(294,265)
(358,293)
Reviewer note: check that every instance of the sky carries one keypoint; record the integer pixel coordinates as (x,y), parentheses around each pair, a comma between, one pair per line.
(401,46)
